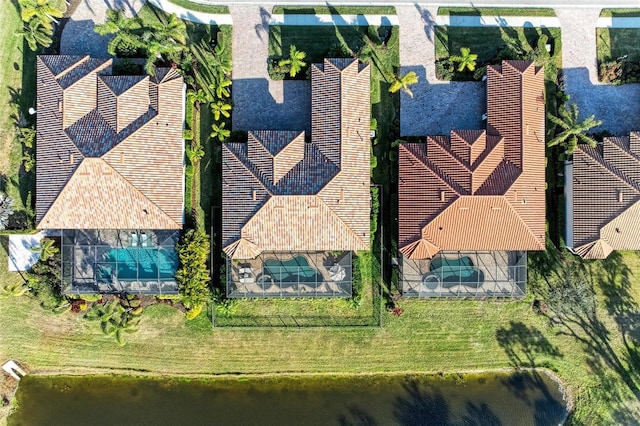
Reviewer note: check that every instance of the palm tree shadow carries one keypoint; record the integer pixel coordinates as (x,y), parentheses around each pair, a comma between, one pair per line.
(421,407)
(428,20)
(480,415)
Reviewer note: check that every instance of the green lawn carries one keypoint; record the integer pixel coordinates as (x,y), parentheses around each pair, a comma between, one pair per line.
(486,41)
(613,43)
(495,11)
(199,7)
(337,10)
(430,336)
(620,13)
(17,94)
(314,311)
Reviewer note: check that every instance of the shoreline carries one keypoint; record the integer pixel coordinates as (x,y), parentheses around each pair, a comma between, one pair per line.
(565,388)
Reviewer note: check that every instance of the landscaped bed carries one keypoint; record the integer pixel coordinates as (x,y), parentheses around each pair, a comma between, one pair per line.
(618,53)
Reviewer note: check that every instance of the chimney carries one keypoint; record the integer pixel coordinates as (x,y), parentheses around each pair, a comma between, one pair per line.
(443,196)
(620,197)
(254,195)
(71,158)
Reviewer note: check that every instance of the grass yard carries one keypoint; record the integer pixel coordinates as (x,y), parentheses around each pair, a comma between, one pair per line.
(613,43)
(199,7)
(334,10)
(430,336)
(314,311)
(620,13)
(17,94)
(487,41)
(494,11)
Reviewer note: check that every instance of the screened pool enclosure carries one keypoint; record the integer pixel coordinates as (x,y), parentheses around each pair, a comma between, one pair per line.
(466,274)
(119,261)
(291,274)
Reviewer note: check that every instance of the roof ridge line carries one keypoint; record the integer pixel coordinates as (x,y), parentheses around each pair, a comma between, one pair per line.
(317,197)
(133,187)
(611,169)
(258,176)
(438,174)
(526,225)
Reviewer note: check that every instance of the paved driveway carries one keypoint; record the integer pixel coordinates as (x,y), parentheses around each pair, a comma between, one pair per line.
(78,36)
(437,106)
(617,106)
(259,102)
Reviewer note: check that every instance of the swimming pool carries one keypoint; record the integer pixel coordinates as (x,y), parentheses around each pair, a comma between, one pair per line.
(139,263)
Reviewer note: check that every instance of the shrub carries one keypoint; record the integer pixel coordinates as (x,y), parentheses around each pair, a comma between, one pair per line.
(374,124)
(445,69)
(187,134)
(276,72)
(128,49)
(339,50)
(193,275)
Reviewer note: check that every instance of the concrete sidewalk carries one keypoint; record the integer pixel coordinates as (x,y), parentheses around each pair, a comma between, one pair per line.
(193,16)
(497,21)
(337,20)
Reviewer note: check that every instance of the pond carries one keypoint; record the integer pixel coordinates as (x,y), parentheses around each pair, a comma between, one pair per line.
(488,399)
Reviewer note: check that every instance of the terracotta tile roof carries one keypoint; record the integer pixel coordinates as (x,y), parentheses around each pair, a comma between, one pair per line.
(116,140)
(281,193)
(477,189)
(606,197)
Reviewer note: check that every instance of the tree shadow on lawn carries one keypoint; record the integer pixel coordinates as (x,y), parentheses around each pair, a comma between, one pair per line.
(571,296)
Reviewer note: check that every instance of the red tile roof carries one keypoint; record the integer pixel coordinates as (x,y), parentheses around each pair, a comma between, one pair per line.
(606,197)
(282,194)
(477,189)
(109,148)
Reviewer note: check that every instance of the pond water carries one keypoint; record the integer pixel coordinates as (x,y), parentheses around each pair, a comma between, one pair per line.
(489,399)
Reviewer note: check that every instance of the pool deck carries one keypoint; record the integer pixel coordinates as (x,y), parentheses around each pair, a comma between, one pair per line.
(246,278)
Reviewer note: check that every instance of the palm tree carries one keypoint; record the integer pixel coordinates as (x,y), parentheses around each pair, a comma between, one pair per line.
(117,317)
(572,131)
(220,108)
(157,50)
(197,97)
(46,249)
(465,60)
(221,88)
(37,34)
(6,210)
(14,290)
(42,9)
(220,132)
(194,153)
(117,23)
(170,28)
(124,29)
(295,61)
(404,82)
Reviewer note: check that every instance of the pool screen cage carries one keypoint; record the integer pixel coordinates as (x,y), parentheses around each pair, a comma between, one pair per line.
(119,261)
(291,274)
(472,274)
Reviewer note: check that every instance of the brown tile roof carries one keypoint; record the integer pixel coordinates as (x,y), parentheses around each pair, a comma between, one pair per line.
(109,148)
(606,197)
(477,189)
(282,194)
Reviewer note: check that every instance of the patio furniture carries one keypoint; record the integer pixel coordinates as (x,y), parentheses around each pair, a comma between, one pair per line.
(246,280)
(337,272)
(245,271)
(133,241)
(144,239)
